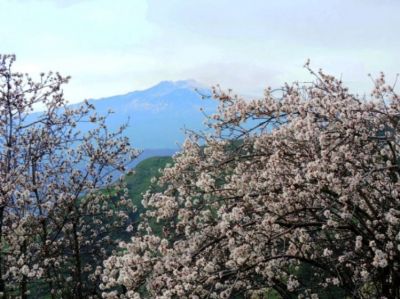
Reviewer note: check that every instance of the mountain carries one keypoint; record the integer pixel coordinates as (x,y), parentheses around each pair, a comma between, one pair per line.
(157,116)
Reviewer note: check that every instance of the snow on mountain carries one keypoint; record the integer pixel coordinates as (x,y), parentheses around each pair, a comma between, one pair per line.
(157,116)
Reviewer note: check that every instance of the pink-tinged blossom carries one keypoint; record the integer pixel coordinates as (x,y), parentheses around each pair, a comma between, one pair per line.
(56,224)
(296,191)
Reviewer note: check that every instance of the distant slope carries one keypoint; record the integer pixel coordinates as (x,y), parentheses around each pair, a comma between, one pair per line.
(159,153)
(158,115)
(140,181)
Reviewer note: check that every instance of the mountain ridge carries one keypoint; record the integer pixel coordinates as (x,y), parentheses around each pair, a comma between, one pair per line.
(157,115)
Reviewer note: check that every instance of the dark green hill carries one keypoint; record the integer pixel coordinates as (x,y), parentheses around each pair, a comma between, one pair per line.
(140,181)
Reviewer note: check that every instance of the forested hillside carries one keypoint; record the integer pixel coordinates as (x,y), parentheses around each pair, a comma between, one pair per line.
(143,178)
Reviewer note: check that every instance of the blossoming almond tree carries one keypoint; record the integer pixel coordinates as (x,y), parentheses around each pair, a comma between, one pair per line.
(295,193)
(58,220)
(88,211)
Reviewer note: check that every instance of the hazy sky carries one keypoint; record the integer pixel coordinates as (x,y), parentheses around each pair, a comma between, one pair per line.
(114,46)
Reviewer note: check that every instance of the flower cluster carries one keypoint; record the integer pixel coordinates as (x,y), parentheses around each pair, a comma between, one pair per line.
(61,209)
(296,193)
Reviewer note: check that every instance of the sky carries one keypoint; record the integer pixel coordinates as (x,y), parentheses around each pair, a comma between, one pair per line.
(113,47)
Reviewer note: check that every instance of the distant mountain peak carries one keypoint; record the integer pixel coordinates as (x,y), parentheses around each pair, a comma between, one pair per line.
(168,86)
(157,115)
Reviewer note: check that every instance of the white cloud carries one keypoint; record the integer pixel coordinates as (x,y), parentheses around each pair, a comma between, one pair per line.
(113,47)
(59,3)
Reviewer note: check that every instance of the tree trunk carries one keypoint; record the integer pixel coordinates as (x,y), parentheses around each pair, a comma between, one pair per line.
(24,288)
(78,266)
(2,283)
(24,282)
